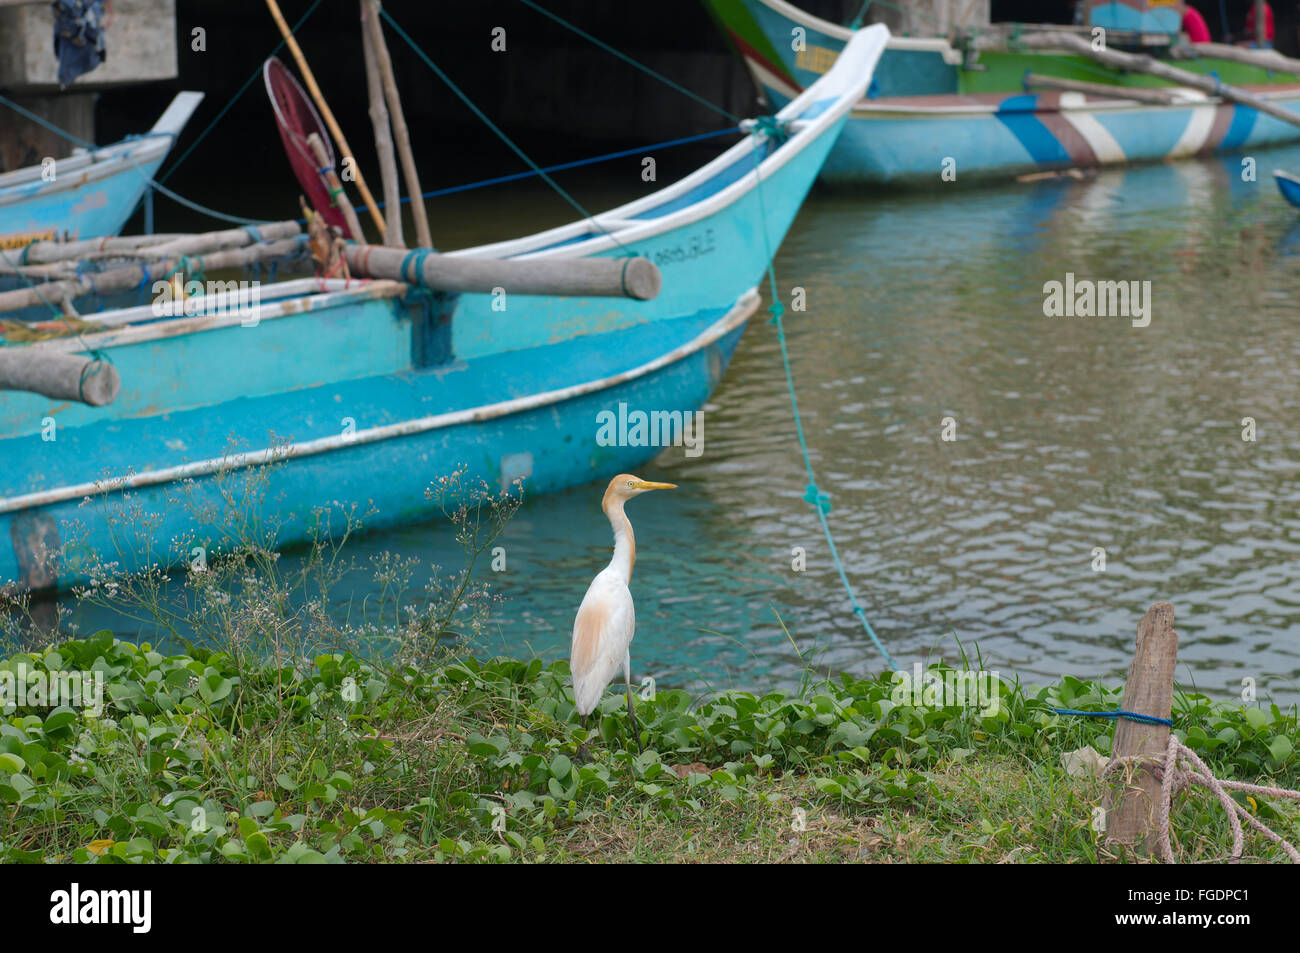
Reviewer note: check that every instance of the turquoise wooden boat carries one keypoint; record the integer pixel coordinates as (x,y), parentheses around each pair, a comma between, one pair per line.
(365,392)
(1289,186)
(90,194)
(935,113)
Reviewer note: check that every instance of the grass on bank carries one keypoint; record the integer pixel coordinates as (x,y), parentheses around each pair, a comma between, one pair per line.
(200,760)
(285,733)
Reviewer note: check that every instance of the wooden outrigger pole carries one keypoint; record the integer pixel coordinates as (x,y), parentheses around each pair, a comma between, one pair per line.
(383,136)
(374,38)
(328,116)
(1140,63)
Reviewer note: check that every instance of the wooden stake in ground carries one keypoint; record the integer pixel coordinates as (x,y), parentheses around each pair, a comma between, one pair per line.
(383,136)
(1139,63)
(324,108)
(375,37)
(1133,808)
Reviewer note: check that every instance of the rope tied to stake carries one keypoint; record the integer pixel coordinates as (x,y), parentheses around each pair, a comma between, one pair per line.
(1175,779)
(1117,714)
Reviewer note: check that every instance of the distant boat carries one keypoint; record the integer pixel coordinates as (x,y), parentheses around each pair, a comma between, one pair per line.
(1289,186)
(932,102)
(89,194)
(366,391)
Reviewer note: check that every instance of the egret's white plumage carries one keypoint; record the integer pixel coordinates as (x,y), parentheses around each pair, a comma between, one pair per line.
(606,621)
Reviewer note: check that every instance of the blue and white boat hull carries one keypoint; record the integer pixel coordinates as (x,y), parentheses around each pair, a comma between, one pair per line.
(331,394)
(90,194)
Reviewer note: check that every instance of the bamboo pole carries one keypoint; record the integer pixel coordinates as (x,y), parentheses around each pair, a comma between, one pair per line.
(401,134)
(1261,22)
(383,138)
(1133,809)
(636,278)
(335,187)
(324,108)
(1264,59)
(109,247)
(126,278)
(209,242)
(40,253)
(1141,63)
(1163,97)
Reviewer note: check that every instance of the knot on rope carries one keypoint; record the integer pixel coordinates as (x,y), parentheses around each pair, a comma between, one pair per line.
(776,308)
(90,370)
(817,498)
(416,258)
(770,127)
(253,232)
(1175,778)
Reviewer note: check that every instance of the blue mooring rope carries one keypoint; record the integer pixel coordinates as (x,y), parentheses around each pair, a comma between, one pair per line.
(820,501)
(1117,714)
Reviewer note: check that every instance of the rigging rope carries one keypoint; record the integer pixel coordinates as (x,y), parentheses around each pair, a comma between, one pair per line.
(820,501)
(627,59)
(153,183)
(243,89)
(473,107)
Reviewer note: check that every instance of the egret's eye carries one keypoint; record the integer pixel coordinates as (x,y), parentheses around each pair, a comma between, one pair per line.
(631,483)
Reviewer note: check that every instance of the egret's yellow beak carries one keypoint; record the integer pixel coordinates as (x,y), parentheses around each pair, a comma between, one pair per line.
(647,485)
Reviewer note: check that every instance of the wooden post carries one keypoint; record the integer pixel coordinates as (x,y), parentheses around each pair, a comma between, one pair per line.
(325,113)
(335,187)
(383,137)
(1133,806)
(375,36)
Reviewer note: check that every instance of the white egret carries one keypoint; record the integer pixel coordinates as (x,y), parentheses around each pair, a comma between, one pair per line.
(602,631)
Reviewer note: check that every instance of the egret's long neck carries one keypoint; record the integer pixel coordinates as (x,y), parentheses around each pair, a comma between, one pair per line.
(624,541)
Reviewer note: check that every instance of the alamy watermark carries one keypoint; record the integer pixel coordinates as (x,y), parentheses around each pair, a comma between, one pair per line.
(1098,299)
(948,688)
(26,687)
(172,299)
(655,428)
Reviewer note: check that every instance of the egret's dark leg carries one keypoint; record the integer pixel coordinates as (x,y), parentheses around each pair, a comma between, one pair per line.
(631,714)
(583,754)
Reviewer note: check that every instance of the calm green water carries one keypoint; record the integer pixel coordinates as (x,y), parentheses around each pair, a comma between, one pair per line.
(1071,434)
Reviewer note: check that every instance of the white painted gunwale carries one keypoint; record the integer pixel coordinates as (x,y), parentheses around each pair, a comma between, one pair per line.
(109,161)
(846,82)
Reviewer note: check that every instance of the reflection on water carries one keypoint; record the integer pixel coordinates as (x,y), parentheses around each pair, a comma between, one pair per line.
(1073,434)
